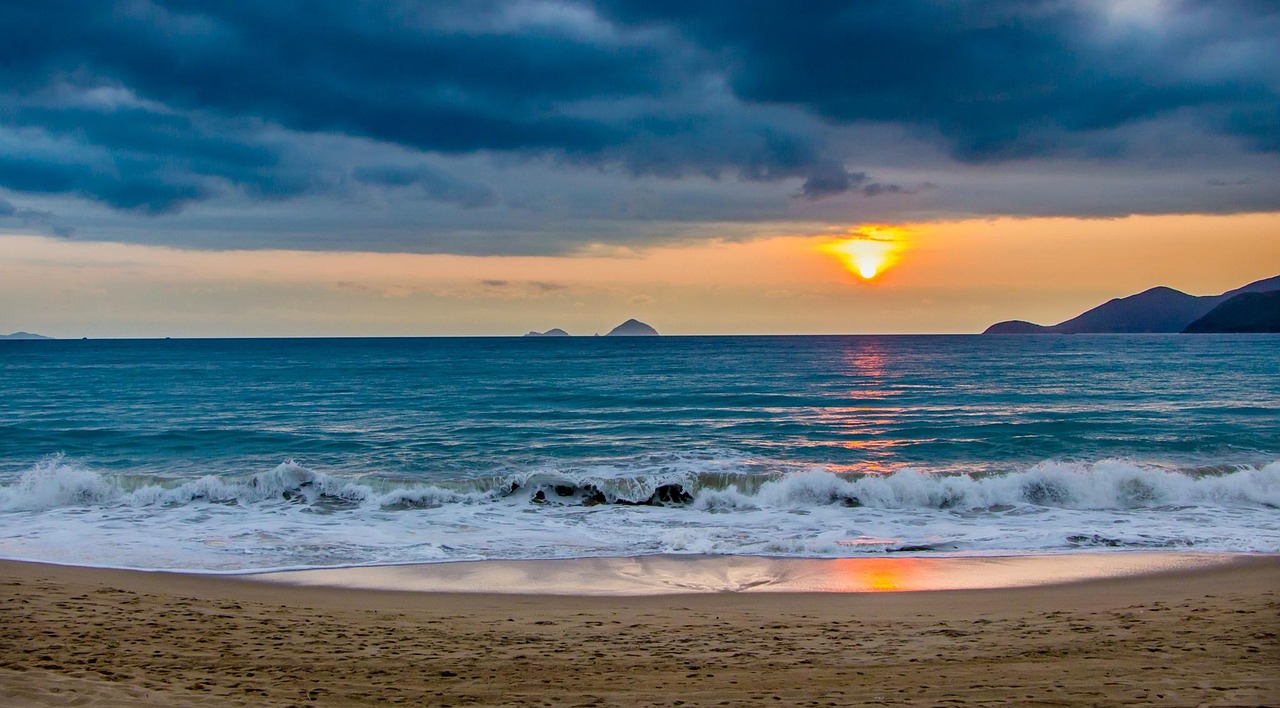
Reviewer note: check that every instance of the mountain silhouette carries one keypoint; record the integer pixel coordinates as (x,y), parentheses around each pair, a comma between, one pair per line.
(1160,309)
(1246,312)
(23,335)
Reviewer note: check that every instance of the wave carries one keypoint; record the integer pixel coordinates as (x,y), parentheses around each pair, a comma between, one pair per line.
(1110,484)
(55,482)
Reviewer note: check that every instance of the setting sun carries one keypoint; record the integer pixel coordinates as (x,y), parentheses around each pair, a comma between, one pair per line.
(870,251)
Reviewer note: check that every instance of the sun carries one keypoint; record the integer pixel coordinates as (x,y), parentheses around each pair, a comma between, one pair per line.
(871,249)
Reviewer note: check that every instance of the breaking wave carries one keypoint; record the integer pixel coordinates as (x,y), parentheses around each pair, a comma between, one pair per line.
(55,483)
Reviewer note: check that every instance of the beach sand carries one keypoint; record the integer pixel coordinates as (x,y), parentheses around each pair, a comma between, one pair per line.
(1202,635)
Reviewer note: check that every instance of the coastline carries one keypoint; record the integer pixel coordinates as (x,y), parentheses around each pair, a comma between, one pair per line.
(1199,634)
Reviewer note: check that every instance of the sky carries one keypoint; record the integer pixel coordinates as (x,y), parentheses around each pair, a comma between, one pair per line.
(189,168)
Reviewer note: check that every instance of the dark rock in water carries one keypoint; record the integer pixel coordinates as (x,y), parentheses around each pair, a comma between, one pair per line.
(851,502)
(1158,310)
(916,548)
(632,328)
(590,495)
(556,332)
(1094,540)
(1244,313)
(664,494)
(671,494)
(1046,492)
(293,494)
(587,495)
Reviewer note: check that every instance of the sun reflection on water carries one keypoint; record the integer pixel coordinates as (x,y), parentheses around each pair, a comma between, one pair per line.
(865,425)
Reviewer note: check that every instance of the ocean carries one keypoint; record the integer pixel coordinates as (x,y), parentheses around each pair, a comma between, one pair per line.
(251,454)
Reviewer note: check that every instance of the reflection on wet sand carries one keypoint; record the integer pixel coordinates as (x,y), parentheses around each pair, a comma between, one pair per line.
(667,574)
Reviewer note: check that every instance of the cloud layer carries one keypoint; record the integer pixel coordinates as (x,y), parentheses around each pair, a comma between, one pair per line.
(521,126)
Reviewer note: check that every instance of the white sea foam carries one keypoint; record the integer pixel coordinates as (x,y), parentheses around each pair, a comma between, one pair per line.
(1110,484)
(294,516)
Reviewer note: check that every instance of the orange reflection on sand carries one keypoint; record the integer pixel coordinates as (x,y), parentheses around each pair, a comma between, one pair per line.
(879,574)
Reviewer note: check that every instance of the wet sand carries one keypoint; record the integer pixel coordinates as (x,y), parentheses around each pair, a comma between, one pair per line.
(684,574)
(1199,634)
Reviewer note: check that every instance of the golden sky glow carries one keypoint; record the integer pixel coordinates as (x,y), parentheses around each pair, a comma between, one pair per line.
(954,276)
(870,249)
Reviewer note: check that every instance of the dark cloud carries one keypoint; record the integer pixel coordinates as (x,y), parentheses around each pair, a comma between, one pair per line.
(534,286)
(34,217)
(995,80)
(834,180)
(433,184)
(151,106)
(1219,182)
(104,144)
(443,78)
(875,189)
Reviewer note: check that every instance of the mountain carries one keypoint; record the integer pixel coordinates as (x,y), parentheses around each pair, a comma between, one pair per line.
(632,328)
(1016,327)
(1159,309)
(556,332)
(1156,310)
(1246,312)
(23,335)
(1262,286)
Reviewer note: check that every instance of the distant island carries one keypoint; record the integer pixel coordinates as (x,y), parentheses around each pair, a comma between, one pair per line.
(23,335)
(1165,310)
(556,332)
(630,328)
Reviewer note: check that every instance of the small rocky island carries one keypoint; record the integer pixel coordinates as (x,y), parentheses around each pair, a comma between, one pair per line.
(630,328)
(554,332)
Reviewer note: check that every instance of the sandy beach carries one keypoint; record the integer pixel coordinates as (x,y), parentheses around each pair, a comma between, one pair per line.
(1208,635)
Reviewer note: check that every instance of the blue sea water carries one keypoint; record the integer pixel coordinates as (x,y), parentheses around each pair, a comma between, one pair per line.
(239,454)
